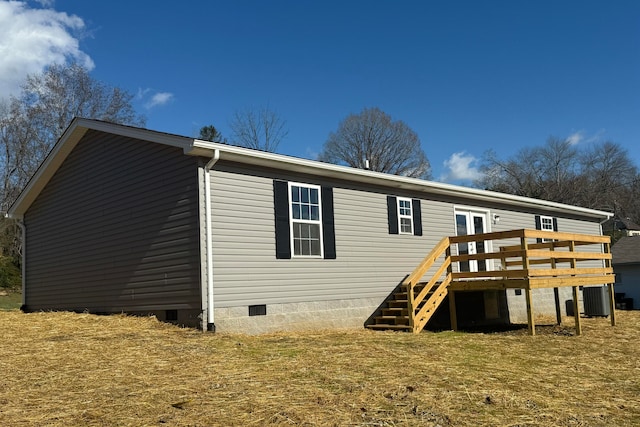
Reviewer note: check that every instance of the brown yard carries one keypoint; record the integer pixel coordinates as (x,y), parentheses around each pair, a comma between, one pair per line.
(63,369)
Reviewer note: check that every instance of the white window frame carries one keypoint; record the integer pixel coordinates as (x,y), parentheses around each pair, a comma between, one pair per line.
(404,215)
(546,220)
(293,221)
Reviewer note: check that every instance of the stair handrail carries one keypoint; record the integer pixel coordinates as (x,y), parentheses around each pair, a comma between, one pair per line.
(428,261)
(441,248)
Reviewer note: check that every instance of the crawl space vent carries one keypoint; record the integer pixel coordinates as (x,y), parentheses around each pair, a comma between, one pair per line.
(258,310)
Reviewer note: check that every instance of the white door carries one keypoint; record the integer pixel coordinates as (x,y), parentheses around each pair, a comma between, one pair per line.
(467,223)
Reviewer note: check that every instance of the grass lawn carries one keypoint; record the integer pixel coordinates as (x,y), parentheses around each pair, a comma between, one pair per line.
(10,300)
(63,369)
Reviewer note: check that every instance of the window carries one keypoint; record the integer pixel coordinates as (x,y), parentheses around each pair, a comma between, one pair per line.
(306,224)
(546,223)
(404,216)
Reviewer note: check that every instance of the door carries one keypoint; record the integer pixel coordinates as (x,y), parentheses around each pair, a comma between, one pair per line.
(470,222)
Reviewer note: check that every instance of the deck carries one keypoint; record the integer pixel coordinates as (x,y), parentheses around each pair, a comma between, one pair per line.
(516,259)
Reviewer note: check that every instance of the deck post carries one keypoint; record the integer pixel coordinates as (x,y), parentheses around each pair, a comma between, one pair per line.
(452,311)
(411,312)
(530,319)
(612,296)
(556,294)
(556,291)
(612,304)
(576,311)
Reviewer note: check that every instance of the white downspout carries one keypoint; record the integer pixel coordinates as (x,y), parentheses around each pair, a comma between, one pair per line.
(23,230)
(209,238)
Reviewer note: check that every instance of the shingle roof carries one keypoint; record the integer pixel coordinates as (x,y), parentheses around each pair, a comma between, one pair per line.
(620,224)
(629,225)
(626,250)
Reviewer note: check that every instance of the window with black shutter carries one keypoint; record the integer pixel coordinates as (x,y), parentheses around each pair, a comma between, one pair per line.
(304,220)
(404,215)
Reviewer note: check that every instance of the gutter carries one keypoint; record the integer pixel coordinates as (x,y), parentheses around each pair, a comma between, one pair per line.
(209,238)
(327,170)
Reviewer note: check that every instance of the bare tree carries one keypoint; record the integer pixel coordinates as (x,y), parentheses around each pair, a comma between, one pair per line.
(63,92)
(611,177)
(372,137)
(516,175)
(261,128)
(548,172)
(211,134)
(599,177)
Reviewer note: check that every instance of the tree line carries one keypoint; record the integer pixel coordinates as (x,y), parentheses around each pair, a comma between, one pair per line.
(601,176)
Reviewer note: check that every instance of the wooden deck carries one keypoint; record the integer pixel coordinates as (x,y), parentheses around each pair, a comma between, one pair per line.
(517,259)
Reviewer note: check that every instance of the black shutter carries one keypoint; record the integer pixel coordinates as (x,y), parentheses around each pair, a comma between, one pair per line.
(328,228)
(417,217)
(555,224)
(281,210)
(538,226)
(392,214)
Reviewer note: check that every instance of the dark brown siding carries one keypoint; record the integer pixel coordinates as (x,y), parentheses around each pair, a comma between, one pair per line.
(116,229)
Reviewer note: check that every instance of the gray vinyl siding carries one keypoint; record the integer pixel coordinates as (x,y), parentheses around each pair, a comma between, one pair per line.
(512,220)
(116,229)
(370,261)
(628,282)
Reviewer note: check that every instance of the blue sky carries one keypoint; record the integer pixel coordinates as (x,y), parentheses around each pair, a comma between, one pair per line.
(467,76)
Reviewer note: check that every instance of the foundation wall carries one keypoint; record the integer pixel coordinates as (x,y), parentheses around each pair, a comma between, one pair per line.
(300,316)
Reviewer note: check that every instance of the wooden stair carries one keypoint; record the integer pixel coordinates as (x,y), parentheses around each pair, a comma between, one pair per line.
(527,265)
(395,314)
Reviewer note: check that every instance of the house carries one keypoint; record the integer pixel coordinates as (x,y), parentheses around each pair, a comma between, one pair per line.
(123,219)
(617,225)
(626,264)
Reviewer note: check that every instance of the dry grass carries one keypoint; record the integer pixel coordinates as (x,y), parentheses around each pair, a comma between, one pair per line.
(63,369)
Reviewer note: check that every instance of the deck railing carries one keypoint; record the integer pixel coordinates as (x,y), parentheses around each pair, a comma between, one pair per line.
(516,259)
(539,258)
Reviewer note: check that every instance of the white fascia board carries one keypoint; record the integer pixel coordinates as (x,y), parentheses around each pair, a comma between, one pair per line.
(67,142)
(294,164)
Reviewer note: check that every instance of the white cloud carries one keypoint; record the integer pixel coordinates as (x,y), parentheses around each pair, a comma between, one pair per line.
(45,3)
(155,100)
(461,167)
(583,137)
(31,39)
(575,137)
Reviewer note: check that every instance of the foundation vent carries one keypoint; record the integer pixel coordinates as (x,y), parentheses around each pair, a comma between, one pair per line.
(258,310)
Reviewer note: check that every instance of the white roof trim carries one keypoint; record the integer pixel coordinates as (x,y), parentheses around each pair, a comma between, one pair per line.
(196,147)
(256,157)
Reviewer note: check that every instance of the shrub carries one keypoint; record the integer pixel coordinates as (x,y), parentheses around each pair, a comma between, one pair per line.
(10,275)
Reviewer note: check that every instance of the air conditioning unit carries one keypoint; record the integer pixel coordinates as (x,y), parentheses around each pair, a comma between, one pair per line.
(596,301)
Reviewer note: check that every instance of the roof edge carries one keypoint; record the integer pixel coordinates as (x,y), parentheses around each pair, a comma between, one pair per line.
(263,158)
(67,142)
(196,147)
